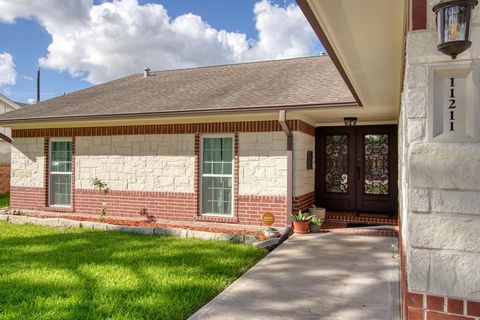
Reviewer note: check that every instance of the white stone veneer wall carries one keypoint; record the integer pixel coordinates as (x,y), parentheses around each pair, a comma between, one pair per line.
(440,183)
(28,162)
(161,163)
(262,163)
(303,179)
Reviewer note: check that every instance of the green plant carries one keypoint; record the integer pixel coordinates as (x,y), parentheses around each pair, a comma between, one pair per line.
(314,220)
(101,186)
(301,216)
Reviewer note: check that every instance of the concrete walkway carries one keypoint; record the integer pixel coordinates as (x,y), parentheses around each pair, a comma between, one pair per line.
(316,276)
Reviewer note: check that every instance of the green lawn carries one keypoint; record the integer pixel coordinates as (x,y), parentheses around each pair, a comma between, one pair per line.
(48,273)
(4,199)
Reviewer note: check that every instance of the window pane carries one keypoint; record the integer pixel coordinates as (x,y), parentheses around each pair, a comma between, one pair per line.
(60,188)
(227,168)
(227,143)
(217,195)
(207,167)
(217,168)
(217,155)
(217,160)
(376,164)
(336,163)
(61,156)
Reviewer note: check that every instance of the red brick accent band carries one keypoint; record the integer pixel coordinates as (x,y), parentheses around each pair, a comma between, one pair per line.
(217,127)
(236,170)
(4,178)
(425,306)
(27,198)
(303,202)
(46,169)
(196,179)
(171,205)
(251,208)
(418,14)
(165,205)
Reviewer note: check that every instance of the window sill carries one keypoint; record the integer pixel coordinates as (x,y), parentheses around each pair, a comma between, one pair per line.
(216,218)
(59,209)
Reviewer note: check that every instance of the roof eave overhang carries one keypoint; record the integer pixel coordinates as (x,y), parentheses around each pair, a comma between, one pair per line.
(177,113)
(366,41)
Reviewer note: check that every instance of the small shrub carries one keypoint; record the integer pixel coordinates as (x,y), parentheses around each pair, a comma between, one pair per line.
(301,216)
(101,186)
(314,220)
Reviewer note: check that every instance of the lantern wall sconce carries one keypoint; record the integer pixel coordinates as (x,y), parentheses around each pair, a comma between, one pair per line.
(350,121)
(453,25)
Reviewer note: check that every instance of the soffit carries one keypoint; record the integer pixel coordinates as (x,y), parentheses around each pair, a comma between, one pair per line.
(367,37)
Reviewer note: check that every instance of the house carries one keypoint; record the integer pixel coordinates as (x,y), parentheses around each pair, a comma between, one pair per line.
(227,143)
(224,143)
(5,106)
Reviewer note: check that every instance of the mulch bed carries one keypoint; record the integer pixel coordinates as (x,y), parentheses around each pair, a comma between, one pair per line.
(153,224)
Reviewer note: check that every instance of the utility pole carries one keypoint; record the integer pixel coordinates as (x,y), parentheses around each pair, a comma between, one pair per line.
(38,85)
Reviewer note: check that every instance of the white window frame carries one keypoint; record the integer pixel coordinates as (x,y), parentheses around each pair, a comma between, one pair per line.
(50,149)
(232,175)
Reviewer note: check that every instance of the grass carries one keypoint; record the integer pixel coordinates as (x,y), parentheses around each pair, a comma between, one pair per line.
(4,199)
(48,273)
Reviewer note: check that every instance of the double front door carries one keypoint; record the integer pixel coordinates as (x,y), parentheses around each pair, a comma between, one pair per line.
(357,168)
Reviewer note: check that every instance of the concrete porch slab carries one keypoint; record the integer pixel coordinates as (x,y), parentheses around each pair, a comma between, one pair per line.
(315,276)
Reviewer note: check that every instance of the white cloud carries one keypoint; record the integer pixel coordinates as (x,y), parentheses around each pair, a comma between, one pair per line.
(27,78)
(8,74)
(113,39)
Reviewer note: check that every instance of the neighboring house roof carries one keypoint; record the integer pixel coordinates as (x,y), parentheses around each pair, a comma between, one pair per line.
(14,104)
(300,82)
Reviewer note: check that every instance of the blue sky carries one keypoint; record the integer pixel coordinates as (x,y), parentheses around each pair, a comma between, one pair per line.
(91,43)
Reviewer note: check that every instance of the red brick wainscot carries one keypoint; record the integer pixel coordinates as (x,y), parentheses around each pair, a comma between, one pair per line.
(27,198)
(303,202)
(162,205)
(422,306)
(4,178)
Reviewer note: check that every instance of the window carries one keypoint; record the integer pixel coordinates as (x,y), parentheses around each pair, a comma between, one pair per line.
(217,175)
(60,172)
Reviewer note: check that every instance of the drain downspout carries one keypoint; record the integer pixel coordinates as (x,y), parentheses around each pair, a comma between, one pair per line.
(282,115)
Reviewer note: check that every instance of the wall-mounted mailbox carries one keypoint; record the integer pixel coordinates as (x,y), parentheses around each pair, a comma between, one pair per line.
(453,102)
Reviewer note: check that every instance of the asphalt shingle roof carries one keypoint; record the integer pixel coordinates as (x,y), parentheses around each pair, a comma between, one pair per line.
(246,86)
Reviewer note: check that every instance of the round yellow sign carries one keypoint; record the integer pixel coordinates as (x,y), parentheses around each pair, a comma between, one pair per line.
(268,218)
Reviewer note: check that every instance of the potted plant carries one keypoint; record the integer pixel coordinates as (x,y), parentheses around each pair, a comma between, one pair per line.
(315,223)
(301,222)
(271,232)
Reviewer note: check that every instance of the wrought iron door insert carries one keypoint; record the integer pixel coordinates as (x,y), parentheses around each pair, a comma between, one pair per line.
(356,168)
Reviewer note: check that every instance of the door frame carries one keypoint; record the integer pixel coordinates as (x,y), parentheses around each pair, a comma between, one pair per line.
(350,200)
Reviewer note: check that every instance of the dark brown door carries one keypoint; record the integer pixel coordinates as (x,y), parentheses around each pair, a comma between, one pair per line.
(357,168)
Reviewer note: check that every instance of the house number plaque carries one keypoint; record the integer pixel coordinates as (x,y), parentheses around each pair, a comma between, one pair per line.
(453,103)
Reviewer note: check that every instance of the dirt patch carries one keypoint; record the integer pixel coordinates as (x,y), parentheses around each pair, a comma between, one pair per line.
(152,224)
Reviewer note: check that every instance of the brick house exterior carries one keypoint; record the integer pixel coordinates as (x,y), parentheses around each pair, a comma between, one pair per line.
(156,157)
(155,168)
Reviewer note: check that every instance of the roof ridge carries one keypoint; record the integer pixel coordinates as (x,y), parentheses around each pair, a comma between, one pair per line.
(235,64)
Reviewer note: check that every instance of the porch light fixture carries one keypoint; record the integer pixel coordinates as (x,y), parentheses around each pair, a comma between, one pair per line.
(453,25)
(350,121)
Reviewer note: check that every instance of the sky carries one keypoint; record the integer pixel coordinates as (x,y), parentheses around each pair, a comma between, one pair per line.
(80,43)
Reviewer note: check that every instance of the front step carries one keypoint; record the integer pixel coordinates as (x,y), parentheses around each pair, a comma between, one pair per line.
(359,218)
(353,223)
